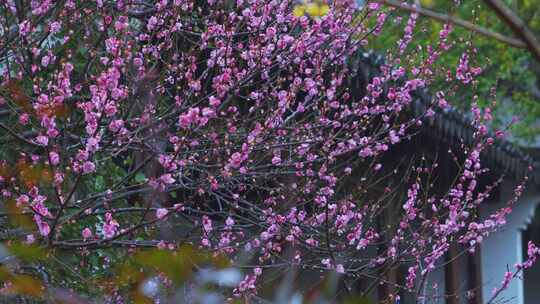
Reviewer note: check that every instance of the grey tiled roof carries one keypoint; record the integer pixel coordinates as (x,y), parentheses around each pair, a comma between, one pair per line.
(453,127)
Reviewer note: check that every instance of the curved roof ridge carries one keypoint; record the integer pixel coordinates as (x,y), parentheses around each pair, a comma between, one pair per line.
(453,126)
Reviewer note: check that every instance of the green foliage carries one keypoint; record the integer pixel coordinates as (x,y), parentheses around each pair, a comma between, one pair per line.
(27,253)
(89,274)
(511,71)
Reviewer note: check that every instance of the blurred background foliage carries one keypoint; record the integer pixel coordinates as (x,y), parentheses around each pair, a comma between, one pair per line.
(512,73)
(32,274)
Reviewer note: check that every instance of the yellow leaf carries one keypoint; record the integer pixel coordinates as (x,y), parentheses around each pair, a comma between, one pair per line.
(324,9)
(427,3)
(299,10)
(313,9)
(26,285)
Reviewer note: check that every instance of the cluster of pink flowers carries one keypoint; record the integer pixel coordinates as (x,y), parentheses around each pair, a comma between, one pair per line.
(240,116)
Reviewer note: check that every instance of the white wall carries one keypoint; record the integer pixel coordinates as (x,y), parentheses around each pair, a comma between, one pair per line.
(503,249)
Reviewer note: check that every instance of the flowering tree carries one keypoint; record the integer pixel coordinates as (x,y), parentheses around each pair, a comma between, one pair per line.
(234,127)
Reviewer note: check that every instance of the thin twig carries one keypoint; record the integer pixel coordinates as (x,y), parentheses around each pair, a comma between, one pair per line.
(453,20)
(17,136)
(517,26)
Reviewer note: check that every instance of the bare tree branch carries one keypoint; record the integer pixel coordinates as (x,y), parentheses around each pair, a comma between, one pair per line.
(16,135)
(453,20)
(517,25)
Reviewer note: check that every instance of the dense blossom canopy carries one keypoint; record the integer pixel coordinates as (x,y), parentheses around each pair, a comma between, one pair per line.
(232,126)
